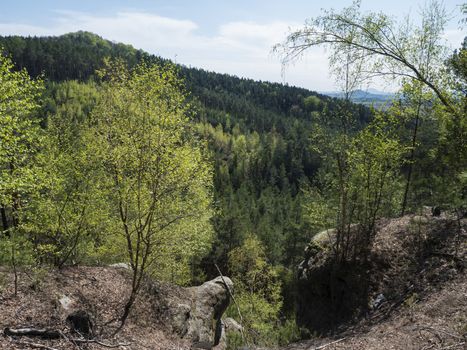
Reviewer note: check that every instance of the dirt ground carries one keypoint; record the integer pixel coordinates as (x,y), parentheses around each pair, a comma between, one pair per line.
(420,265)
(100,290)
(437,322)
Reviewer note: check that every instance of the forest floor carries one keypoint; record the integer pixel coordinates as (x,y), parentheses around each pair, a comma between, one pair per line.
(428,309)
(45,298)
(438,321)
(425,306)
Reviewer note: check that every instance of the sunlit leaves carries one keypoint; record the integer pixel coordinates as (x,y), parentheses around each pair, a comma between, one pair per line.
(157,173)
(20,135)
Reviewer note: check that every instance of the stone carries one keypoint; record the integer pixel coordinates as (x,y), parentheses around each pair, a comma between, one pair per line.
(232,326)
(195,313)
(180,314)
(379,300)
(120,266)
(211,299)
(65,302)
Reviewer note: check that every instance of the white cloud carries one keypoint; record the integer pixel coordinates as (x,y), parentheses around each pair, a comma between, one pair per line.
(23,29)
(239,48)
(267,34)
(454,37)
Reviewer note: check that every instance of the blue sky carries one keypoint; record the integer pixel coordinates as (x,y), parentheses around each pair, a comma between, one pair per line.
(232,37)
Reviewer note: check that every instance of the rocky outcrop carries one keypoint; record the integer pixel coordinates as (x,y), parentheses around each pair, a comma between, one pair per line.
(210,300)
(409,256)
(195,313)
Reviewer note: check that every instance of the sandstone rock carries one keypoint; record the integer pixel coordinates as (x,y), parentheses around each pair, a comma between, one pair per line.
(232,326)
(195,313)
(121,266)
(180,314)
(211,299)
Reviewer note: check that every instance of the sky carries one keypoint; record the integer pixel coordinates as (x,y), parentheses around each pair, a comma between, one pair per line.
(225,36)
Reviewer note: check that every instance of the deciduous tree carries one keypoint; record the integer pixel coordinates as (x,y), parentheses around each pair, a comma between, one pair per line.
(157,173)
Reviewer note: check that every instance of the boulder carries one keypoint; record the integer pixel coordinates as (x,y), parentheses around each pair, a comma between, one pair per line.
(195,313)
(210,300)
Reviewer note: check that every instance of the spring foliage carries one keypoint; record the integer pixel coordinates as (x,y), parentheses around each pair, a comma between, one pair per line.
(156,172)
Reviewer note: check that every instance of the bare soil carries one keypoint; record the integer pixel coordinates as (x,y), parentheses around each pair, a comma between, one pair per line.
(102,291)
(419,265)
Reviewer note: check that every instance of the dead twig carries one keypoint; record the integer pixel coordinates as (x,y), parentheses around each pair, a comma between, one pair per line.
(52,334)
(326,345)
(32,345)
(453,346)
(98,342)
(236,304)
(32,332)
(64,336)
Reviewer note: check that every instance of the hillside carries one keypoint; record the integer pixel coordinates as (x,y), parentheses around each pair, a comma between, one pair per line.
(77,56)
(418,265)
(166,316)
(260,134)
(129,183)
(437,321)
(413,293)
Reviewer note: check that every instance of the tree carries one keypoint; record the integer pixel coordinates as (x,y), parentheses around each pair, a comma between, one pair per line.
(258,290)
(20,137)
(157,173)
(69,217)
(379,46)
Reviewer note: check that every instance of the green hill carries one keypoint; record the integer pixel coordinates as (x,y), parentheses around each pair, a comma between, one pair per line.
(259,133)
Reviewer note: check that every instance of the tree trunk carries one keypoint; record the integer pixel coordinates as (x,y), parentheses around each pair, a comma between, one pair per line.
(412,158)
(4,221)
(126,310)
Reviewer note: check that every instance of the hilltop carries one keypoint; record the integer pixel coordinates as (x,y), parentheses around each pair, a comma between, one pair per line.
(260,134)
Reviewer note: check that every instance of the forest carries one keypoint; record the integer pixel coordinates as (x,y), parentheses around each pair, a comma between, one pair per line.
(110,154)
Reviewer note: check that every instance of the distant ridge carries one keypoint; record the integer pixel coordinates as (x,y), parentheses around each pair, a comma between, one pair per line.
(369,97)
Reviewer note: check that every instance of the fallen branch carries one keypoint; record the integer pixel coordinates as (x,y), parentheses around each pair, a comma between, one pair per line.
(32,332)
(95,341)
(52,334)
(77,341)
(453,346)
(326,345)
(33,345)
